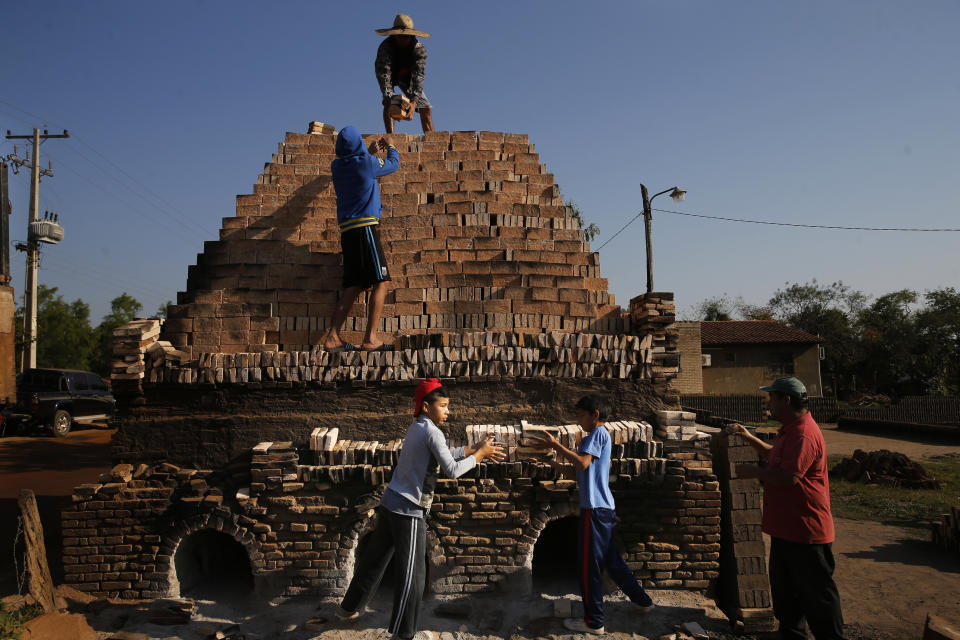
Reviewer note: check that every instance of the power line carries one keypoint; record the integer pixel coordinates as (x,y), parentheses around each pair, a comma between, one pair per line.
(106,276)
(779,224)
(96,280)
(167,209)
(182,232)
(809,226)
(631,221)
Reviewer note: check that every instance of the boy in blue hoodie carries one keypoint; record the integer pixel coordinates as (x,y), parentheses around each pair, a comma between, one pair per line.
(401,530)
(596,544)
(355,172)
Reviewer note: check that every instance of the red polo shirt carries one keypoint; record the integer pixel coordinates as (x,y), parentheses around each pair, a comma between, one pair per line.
(801,512)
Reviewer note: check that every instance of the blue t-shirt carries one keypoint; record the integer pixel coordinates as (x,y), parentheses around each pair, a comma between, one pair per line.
(594,481)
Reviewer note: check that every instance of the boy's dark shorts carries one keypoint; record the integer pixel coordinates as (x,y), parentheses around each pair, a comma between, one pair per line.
(364,264)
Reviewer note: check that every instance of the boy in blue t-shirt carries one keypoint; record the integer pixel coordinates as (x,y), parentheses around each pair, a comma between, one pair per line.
(596,544)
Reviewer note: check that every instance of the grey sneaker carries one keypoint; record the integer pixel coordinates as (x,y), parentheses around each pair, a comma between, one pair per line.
(578,625)
(645,609)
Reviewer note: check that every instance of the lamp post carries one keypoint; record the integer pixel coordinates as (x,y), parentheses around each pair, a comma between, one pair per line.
(677,194)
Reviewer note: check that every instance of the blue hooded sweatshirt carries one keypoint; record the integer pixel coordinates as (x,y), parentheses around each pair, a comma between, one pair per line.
(355,173)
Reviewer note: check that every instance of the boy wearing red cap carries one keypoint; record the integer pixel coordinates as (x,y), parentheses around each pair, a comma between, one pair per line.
(401,529)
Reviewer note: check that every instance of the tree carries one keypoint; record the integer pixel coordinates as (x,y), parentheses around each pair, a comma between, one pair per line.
(726,307)
(123,309)
(831,312)
(889,343)
(63,331)
(161,311)
(720,307)
(938,337)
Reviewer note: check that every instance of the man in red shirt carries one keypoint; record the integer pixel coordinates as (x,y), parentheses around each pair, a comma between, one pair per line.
(796,516)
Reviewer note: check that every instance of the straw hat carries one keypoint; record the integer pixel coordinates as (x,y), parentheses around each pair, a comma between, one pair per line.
(402,26)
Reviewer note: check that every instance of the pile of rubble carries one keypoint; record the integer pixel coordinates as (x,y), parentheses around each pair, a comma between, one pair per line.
(884,467)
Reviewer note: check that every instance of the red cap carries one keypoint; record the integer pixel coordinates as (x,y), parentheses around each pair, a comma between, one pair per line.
(425,387)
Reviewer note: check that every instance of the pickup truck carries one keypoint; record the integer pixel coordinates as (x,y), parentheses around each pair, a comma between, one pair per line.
(56,398)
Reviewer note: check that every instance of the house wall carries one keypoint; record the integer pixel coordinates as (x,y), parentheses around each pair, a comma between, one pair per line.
(745,368)
(690,377)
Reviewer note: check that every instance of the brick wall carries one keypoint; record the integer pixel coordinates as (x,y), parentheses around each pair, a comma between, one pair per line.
(300,524)
(689,378)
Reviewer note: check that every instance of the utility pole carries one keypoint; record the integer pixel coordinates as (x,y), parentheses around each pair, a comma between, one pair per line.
(29,359)
(4,224)
(648,234)
(677,194)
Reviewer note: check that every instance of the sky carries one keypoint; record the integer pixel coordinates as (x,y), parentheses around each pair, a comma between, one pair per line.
(815,112)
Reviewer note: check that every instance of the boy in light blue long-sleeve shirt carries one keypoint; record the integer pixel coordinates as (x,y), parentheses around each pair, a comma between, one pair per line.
(401,530)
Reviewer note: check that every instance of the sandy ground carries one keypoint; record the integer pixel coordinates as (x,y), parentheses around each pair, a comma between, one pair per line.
(888,581)
(488,616)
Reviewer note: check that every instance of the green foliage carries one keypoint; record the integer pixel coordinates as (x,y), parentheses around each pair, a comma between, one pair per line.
(907,507)
(63,331)
(722,307)
(726,307)
(829,311)
(123,309)
(64,336)
(591,230)
(12,621)
(161,311)
(938,337)
(886,330)
(901,343)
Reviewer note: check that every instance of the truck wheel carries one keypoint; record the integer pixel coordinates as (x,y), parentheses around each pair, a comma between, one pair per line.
(61,423)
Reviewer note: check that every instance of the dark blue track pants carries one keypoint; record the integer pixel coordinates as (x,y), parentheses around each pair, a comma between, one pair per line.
(597,551)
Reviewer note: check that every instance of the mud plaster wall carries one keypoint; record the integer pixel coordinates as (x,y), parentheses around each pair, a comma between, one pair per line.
(206,428)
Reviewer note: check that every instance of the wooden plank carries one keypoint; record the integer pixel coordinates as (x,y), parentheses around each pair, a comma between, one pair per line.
(40,583)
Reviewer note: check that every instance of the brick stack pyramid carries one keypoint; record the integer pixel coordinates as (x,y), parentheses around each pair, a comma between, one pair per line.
(476,235)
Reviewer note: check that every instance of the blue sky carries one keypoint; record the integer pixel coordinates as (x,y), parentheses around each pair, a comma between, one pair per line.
(837,113)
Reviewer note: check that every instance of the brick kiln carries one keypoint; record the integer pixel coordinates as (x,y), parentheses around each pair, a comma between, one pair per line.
(241,443)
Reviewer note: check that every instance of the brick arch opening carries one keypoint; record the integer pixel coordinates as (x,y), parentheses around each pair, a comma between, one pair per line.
(211,558)
(523,580)
(553,566)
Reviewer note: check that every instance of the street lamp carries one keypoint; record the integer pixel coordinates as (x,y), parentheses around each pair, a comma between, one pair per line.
(677,194)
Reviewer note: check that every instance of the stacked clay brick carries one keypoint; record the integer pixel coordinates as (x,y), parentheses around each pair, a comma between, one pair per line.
(653,314)
(745,589)
(475,233)
(479,357)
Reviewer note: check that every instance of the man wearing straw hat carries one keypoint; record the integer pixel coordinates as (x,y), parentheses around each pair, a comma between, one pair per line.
(401,62)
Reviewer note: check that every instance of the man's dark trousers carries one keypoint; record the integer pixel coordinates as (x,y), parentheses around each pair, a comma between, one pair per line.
(597,551)
(403,538)
(802,588)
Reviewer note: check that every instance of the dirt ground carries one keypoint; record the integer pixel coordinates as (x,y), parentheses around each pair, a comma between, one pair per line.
(888,581)
(846,442)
